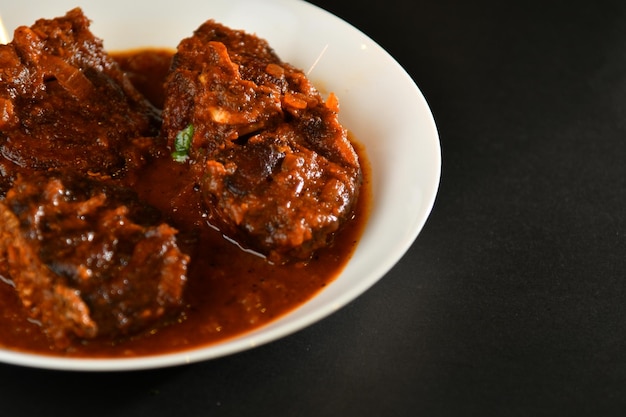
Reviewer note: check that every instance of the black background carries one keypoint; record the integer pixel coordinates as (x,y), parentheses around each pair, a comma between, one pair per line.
(509,303)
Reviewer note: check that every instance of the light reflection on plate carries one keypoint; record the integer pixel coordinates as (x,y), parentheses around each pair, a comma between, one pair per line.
(380,105)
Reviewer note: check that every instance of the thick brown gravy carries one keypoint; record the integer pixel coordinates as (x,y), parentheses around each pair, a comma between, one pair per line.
(230,291)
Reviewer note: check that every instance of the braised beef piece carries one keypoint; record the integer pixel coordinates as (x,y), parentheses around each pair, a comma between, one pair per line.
(277,170)
(89,259)
(64,102)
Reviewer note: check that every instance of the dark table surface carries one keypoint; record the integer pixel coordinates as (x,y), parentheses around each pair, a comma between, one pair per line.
(512,300)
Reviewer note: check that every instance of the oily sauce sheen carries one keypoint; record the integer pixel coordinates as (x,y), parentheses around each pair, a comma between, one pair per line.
(229,292)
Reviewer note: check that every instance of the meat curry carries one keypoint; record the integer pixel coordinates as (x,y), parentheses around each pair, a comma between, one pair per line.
(158,200)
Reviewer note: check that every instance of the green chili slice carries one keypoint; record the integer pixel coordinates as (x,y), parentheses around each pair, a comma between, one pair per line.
(182,144)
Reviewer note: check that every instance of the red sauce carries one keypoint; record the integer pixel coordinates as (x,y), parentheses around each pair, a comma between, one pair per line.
(230,291)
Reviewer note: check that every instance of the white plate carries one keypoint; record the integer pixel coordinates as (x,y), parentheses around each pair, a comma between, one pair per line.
(380,105)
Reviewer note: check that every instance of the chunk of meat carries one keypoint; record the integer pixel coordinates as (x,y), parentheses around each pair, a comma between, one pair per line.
(64,102)
(88,259)
(278,172)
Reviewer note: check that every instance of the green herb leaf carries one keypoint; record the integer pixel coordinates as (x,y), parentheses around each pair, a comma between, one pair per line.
(182,144)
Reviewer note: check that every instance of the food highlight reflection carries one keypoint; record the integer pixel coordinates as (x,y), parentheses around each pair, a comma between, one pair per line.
(4,36)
